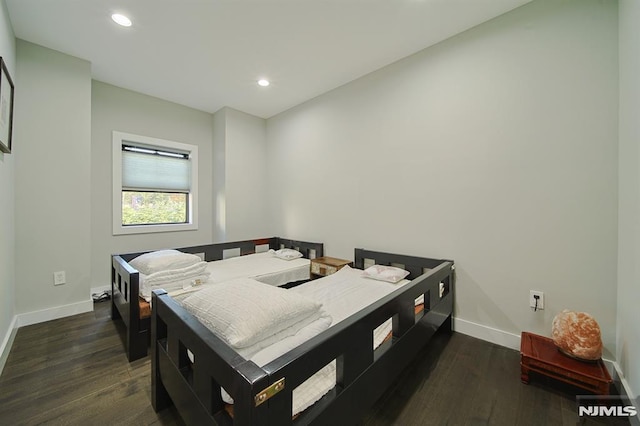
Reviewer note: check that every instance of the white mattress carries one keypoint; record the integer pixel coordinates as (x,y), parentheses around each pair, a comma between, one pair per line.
(346,292)
(264,267)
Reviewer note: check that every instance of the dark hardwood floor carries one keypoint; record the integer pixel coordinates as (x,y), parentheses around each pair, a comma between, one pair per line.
(73,371)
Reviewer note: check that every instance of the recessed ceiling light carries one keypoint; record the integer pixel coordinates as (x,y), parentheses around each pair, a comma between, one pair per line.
(121,20)
(263,82)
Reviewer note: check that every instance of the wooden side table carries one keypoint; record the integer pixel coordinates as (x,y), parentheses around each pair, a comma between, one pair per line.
(540,354)
(323,266)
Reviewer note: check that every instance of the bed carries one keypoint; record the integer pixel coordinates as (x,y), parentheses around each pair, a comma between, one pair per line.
(135,313)
(191,364)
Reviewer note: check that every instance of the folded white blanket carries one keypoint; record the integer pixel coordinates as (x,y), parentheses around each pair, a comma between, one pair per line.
(261,323)
(171,275)
(177,287)
(174,279)
(245,312)
(317,385)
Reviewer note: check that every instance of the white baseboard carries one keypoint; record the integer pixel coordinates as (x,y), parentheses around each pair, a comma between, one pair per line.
(54,313)
(7,342)
(626,392)
(488,334)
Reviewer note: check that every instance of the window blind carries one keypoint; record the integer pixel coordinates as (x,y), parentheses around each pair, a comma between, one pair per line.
(152,170)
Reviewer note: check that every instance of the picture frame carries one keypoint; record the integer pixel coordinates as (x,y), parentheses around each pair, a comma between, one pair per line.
(6,108)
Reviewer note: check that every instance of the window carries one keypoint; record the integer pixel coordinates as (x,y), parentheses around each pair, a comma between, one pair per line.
(154,185)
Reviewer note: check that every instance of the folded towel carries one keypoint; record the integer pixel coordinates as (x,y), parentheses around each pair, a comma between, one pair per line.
(175,274)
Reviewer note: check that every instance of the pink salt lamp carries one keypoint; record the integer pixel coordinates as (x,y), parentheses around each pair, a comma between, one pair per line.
(577,334)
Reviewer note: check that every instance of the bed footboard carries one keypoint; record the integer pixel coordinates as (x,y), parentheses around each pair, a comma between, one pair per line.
(308,249)
(362,373)
(124,306)
(194,387)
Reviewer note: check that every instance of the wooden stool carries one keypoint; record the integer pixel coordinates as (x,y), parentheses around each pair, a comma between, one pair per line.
(540,354)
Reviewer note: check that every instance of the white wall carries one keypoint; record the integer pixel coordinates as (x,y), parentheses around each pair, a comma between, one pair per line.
(628,348)
(52,182)
(241,189)
(219,175)
(496,148)
(114,108)
(7,204)
(246,177)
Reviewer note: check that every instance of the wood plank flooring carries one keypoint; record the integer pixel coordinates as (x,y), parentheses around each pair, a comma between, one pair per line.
(460,380)
(73,371)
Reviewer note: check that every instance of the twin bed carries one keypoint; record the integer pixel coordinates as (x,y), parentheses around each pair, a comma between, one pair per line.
(131,289)
(349,339)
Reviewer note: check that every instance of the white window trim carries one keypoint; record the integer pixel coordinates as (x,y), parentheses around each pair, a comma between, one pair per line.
(118,229)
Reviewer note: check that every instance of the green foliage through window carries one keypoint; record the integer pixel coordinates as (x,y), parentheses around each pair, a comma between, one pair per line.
(153,208)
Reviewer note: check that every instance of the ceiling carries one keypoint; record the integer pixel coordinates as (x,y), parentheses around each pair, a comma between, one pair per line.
(207,54)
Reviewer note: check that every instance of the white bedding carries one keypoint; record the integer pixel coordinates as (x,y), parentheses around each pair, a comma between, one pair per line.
(348,291)
(264,267)
(174,280)
(317,385)
(250,316)
(341,294)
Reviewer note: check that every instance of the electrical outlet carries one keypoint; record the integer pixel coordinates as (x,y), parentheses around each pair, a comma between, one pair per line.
(532,299)
(59,278)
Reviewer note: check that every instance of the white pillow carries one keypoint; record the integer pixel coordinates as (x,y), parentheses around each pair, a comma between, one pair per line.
(389,274)
(244,311)
(163,260)
(287,254)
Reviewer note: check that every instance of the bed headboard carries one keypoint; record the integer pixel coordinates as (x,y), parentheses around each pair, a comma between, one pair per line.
(415,265)
(218,251)
(308,249)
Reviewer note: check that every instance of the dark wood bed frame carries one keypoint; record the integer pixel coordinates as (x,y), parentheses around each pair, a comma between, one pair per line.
(263,395)
(125,282)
